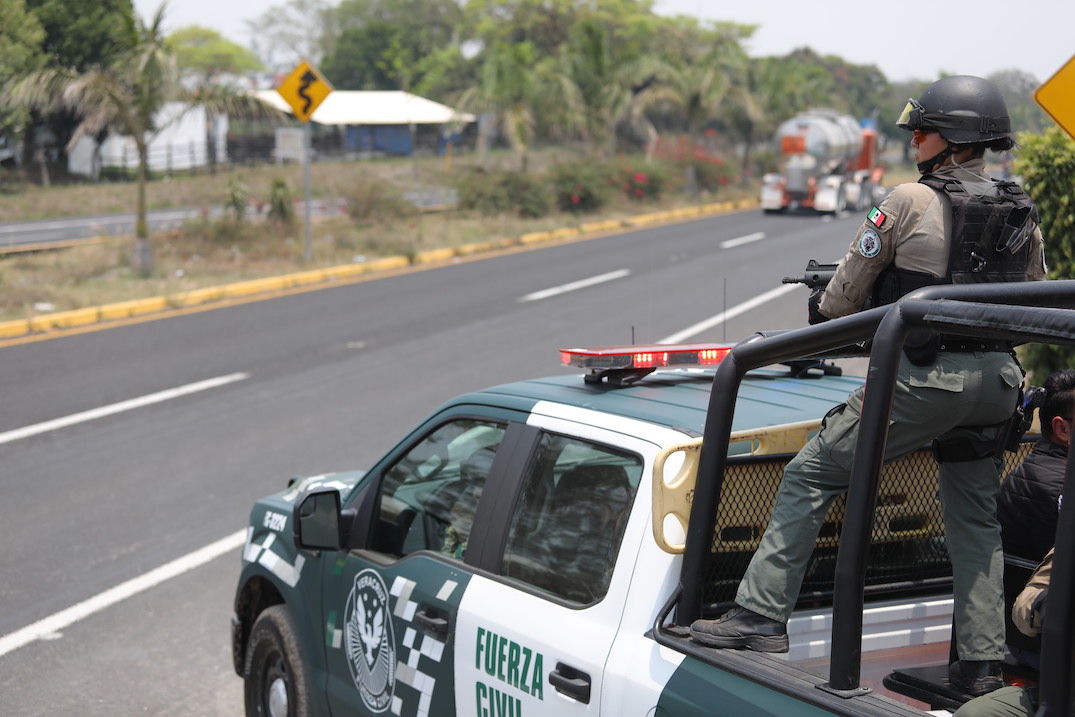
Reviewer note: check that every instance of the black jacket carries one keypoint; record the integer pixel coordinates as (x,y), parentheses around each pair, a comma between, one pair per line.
(1027,503)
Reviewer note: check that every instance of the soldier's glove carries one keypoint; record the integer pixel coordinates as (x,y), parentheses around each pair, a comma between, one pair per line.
(813,310)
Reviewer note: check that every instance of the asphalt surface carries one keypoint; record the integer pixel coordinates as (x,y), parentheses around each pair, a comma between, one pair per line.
(315,382)
(42,233)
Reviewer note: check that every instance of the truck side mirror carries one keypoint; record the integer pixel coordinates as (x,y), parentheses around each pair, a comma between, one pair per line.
(319,522)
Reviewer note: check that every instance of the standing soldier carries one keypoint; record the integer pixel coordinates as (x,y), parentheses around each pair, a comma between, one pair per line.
(955,225)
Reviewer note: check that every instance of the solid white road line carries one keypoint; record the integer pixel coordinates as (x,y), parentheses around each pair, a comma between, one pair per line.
(128,405)
(65,618)
(739,241)
(575,285)
(681,336)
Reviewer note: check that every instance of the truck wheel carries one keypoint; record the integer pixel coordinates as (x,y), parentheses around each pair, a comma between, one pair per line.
(277,680)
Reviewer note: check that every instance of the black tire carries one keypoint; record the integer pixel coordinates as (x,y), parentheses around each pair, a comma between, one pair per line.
(276,677)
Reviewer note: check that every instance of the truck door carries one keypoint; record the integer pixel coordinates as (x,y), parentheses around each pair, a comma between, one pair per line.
(390,610)
(535,638)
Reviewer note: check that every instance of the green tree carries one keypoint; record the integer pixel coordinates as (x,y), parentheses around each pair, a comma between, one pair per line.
(700,91)
(126,97)
(397,44)
(76,40)
(21,36)
(208,56)
(356,61)
(546,24)
(589,86)
(507,90)
(293,31)
(1018,89)
(1046,163)
(88,37)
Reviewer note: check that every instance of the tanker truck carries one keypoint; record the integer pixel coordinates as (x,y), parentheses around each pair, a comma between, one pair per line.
(829,165)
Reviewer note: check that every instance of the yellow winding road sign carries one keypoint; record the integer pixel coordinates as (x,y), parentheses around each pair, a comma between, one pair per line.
(304,89)
(1057,97)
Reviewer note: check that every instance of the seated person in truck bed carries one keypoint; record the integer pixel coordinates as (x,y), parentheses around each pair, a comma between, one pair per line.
(959,392)
(1028,500)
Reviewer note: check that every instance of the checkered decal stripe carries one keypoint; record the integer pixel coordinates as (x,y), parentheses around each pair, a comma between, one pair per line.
(418,653)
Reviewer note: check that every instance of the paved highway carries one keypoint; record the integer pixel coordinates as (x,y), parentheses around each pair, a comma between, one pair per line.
(20,236)
(130,456)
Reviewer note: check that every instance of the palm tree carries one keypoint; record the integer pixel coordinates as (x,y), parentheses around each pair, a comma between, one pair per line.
(507,89)
(594,90)
(698,91)
(125,97)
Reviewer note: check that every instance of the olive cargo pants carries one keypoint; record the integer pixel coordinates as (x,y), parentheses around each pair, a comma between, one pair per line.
(961,394)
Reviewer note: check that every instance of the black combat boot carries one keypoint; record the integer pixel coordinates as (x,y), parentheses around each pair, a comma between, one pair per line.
(740,627)
(975,677)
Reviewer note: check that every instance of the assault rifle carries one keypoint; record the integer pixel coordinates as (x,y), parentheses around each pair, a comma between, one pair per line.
(816,276)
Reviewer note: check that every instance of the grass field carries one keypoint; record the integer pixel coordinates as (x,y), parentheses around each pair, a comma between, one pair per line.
(213,252)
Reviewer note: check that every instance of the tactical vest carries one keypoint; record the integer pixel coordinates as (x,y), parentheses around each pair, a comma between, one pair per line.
(990,240)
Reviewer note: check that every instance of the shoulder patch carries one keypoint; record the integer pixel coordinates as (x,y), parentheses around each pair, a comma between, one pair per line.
(876,217)
(870,244)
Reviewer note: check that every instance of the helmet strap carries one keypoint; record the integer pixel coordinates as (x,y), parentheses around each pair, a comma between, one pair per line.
(927,166)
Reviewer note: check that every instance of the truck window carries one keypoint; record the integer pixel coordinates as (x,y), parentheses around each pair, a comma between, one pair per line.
(566,530)
(428,497)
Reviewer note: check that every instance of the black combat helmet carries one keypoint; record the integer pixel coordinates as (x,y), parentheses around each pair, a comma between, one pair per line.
(963,108)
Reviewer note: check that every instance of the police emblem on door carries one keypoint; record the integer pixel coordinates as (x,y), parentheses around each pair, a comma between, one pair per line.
(370,642)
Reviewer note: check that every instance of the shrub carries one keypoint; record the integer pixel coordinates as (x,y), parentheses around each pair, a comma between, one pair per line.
(238,198)
(532,197)
(374,200)
(1046,163)
(579,187)
(281,204)
(492,193)
(642,181)
(713,173)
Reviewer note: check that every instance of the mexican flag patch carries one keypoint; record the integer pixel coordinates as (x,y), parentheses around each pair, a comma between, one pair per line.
(875,217)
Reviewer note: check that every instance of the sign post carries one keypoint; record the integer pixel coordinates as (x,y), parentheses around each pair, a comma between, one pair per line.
(1057,97)
(304,89)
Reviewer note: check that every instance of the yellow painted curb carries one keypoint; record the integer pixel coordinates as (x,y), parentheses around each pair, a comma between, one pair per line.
(432,256)
(346,271)
(255,286)
(479,247)
(389,262)
(194,297)
(11,329)
(535,237)
(604,226)
(307,277)
(135,307)
(65,319)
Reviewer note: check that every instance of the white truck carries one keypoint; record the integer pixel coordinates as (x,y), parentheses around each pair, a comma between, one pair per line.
(829,165)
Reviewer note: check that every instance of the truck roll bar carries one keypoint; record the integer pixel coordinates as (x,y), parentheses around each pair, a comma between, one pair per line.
(1010,314)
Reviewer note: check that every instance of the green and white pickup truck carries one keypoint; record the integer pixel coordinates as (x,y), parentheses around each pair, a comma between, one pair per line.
(538,548)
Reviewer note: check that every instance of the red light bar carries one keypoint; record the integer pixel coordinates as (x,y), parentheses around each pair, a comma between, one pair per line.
(605,358)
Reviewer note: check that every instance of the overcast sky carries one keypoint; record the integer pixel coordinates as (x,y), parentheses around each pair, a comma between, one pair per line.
(905,40)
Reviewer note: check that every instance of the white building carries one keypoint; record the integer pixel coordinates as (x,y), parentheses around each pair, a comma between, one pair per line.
(181,144)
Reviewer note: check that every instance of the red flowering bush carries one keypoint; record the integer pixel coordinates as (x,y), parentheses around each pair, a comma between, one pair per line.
(642,181)
(579,187)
